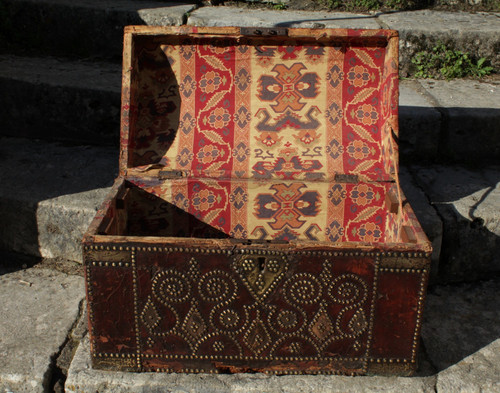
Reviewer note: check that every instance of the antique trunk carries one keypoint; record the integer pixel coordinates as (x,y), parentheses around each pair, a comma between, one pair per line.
(257,223)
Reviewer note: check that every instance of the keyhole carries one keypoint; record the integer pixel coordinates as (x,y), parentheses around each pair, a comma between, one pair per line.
(262,263)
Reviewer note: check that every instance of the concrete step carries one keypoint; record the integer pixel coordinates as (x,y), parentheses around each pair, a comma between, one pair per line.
(39,308)
(460,337)
(50,193)
(78,101)
(83,28)
(73,101)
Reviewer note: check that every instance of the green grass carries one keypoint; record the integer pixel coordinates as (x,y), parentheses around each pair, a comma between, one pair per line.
(445,63)
(279,6)
(362,4)
(369,5)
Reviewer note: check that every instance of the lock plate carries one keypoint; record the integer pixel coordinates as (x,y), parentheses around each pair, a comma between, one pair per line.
(261,273)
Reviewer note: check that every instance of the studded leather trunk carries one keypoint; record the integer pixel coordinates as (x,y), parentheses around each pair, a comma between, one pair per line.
(257,223)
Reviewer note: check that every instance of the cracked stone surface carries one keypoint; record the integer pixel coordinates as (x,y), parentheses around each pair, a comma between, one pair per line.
(467,202)
(38,308)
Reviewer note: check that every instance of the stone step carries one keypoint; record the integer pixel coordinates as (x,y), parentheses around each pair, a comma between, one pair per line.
(83,28)
(50,193)
(456,121)
(39,308)
(49,98)
(93,28)
(460,336)
(470,131)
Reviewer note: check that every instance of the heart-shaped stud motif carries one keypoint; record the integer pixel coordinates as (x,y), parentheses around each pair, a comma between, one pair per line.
(261,273)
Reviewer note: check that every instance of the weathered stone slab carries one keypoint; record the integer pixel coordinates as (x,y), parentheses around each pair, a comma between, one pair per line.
(233,16)
(460,320)
(50,194)
(88,28)
(472,128)
(173,14)
(65,100)
(419,124)
(55,72)
(62,221)
(422,30)
(83,379)
(38,309)
(467,202)
(477,373)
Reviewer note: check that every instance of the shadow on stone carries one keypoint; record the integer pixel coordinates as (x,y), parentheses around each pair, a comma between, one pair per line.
(419,129)
(50,194)
(467,202)
(450,135)
(11,262)
(459,320)
(470,136)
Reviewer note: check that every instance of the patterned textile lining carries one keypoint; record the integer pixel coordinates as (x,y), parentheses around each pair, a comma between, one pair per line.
(218,108)
(271,210)
(280,120)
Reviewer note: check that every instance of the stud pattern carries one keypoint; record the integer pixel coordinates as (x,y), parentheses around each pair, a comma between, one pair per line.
(197,312)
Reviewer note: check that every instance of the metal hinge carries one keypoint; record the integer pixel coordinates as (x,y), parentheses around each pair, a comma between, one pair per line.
(345,178)
(171,174)
(264,31)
